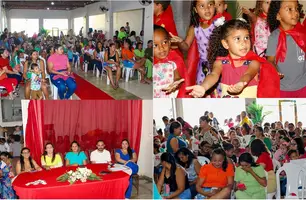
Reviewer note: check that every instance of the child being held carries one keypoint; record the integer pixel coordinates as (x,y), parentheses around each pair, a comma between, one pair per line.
(169,67)
(280,154)
(35,76)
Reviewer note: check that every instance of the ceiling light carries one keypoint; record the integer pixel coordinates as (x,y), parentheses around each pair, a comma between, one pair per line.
(52,3)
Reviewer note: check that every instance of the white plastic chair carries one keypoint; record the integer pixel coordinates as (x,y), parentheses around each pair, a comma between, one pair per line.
(47,75)
(203,160)
(276,164)
(107,78)
(295,178)
(268,195)
(55,90)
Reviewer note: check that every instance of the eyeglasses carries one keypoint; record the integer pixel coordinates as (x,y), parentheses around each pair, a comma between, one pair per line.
(292,144)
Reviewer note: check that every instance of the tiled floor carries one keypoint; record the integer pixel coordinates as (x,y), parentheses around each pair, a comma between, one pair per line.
(128,90)
(145,189)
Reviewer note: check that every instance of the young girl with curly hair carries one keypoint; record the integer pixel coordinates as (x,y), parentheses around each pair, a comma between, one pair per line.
(287,46)
(230,54)
(202,16)
(260,27)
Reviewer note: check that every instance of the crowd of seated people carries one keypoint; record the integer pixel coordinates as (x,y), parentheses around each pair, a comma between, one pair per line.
(51,159)
(204,162)
(33,61)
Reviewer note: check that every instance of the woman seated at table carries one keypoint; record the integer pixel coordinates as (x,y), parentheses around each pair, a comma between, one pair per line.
(128,157)
(50,159)
(174,179)
(6,173)
(216,179)
(61,73)
(75,157)
(250,179)
(192,166)
(26,163)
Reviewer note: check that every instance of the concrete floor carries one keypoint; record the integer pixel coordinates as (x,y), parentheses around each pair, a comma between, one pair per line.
(132,89)
(145,189)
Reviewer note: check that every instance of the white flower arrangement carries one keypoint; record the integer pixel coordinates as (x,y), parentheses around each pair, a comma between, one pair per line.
(82,174)
(219,22)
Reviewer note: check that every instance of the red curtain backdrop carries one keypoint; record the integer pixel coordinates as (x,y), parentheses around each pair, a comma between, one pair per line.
(86,121)
(35,129)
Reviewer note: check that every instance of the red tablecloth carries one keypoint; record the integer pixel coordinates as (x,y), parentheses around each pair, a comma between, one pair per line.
(112,186)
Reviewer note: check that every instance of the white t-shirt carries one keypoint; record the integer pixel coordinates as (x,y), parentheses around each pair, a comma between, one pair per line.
(5,147)
(90,51)
(17,133)
(100,157)
(194,144)
(157,159)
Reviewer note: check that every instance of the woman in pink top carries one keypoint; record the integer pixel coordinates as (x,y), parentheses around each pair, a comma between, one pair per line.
(60,73)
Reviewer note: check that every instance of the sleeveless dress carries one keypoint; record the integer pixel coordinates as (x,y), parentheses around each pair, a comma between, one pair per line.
(163,76)
(202,38)
(231,76)
(203,69)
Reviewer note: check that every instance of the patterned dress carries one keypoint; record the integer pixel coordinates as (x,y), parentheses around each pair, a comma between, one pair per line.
(6,189)
(261,34)
(163,76)
(202,38)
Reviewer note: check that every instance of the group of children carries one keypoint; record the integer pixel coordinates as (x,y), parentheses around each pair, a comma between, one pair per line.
(260,56)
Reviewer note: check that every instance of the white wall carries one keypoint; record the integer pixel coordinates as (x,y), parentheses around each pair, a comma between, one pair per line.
(145,157)
(134,17)
(181,12)
(119,6)
(38,14)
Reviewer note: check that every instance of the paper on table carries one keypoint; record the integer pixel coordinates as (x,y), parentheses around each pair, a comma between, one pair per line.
(118,167)
(36,182)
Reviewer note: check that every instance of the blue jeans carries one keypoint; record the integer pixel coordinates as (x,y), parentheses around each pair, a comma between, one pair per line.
(184,195)
(193,190)
(75,57)
(98,64)
(62,86)
(15,76)
(200,196)
(128,64)
(134,167)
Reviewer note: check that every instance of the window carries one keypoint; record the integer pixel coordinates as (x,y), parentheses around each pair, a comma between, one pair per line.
(97,22)
(77,25)
(163,107)
(222,109)
(30,26)
(57,25)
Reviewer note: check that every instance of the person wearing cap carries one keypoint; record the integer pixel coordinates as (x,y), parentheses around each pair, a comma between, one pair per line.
(61,73)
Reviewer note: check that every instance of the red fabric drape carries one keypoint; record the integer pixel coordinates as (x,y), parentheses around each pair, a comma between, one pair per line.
(35,129)
(87,121)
